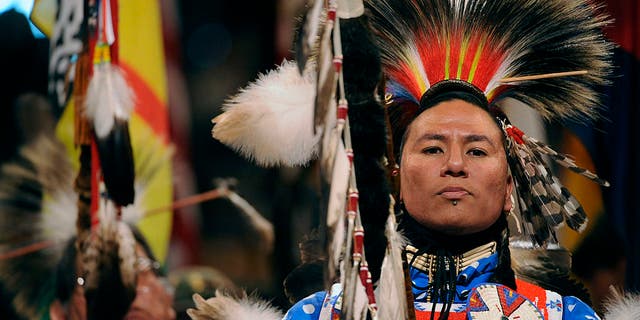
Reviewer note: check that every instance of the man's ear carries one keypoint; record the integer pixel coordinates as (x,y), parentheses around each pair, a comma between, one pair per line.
(508,204)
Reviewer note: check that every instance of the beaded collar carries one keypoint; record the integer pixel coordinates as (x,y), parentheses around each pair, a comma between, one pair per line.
(426,262)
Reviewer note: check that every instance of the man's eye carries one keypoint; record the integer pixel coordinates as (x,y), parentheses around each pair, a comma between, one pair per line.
(431,150)
(477,152)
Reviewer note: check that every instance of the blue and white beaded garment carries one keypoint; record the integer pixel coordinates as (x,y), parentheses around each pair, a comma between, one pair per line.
(307,308)
(323,306)
(318,306)
(475,274)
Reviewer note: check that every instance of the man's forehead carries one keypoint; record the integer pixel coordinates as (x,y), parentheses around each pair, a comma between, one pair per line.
(455,109)
(472,127)
(466,137)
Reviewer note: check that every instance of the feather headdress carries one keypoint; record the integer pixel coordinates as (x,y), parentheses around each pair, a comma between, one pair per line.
(32,187)
(547,54)
(492,44)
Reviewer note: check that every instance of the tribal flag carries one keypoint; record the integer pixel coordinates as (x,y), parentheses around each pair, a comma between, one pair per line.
(140,53)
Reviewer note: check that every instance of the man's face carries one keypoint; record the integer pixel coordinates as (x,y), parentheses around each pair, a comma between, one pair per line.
(453,171)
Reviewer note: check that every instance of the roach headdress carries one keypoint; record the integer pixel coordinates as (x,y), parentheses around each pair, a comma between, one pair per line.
(548,54)
(38,210)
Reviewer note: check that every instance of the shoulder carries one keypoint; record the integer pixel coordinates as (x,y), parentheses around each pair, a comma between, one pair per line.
(319,305)
(307,308)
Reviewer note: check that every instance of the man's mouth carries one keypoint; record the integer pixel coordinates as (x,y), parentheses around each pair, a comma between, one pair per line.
(453,193)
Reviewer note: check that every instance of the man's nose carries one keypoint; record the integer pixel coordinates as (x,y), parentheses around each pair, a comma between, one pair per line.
(454,165)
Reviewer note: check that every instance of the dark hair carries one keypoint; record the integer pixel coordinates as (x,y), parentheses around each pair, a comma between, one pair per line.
(453,89)
(304,280)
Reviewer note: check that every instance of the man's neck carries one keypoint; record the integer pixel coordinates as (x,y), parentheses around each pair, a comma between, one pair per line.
(434,242)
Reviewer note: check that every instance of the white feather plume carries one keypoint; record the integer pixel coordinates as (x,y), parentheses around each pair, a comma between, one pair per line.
(59,207)
(391,290)
(108,97)
(622,307)
(39,173)
(271,120)
(224,307)
(59,214)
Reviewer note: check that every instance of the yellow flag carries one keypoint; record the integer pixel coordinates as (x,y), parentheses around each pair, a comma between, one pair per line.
(141,56)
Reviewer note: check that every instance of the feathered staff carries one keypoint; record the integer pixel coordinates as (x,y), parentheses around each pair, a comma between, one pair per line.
(245,116)
(368,204)
(345,231)
(110,261)
(367,133)
(107,254)
(547,54)
(108,106)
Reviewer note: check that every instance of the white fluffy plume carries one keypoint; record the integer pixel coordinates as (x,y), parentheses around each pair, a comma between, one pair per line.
(622,307)
(37,175)
(224,307)
(271,120)
(108,97)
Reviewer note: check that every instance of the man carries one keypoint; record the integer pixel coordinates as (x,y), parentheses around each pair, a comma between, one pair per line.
(447,67)
(456,194)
